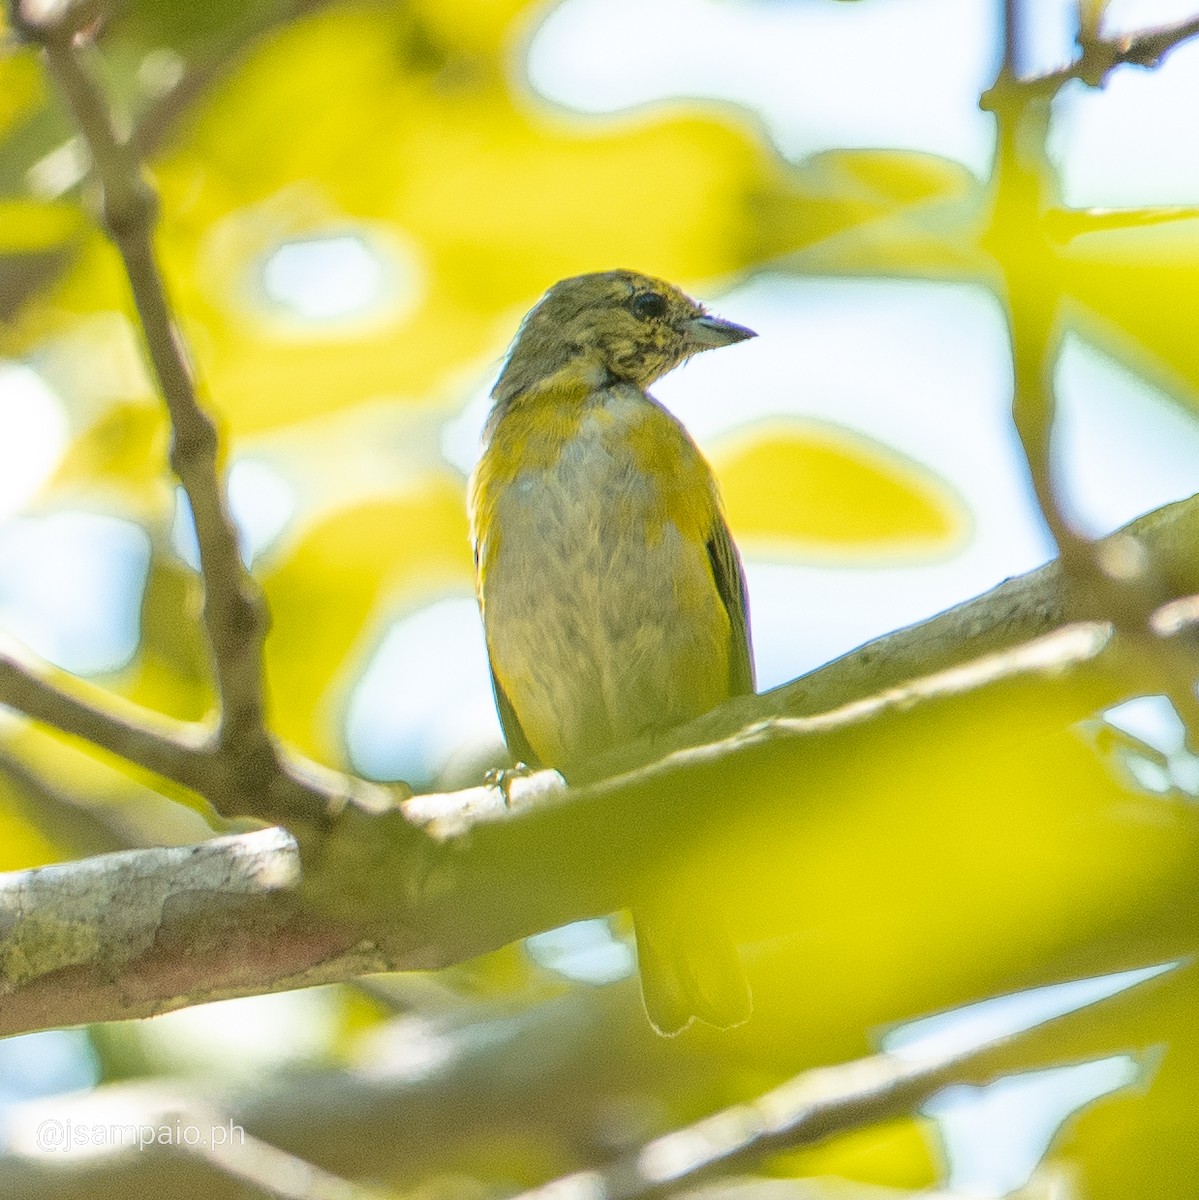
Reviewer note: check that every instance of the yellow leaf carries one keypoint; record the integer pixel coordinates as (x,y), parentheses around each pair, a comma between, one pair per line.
(21,88)
(895,1154)
(28,226)
(803,488)
(125,451)
(1139,287)
(21,845)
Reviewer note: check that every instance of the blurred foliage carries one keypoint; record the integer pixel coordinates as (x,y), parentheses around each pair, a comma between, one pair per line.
(474,199)
(793,488)
(897,1153)
(406,130)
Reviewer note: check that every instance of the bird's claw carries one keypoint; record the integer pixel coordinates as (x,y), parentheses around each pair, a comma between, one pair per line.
(502,778)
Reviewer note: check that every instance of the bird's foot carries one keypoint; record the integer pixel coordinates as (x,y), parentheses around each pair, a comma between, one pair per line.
(503,777)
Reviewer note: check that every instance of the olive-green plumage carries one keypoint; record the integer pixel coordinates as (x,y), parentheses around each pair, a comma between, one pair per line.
(612,596)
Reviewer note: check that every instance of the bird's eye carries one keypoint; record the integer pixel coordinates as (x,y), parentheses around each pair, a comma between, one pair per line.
(648,305)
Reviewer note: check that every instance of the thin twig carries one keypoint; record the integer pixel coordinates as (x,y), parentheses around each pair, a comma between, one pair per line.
(453,876)
(1114,580)
(809,1108)
(1011,37)
(264,1167)
(174,750)
(1099,56)
(1090,17)
(1023,188)
(1062,224)
(302,795)
(234,612)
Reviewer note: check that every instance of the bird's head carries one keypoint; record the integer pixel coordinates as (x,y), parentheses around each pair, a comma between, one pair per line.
(612,325)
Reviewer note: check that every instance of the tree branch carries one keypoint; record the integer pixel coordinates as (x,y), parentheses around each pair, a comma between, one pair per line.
(1100,56)
(1016,612)
(234,43)
(451,876)
(303,795)
(515,1070)
(1063,224)
(235,616)
(345,1120)
(810,1108)
(155,921)
(1115,580)
(174,750)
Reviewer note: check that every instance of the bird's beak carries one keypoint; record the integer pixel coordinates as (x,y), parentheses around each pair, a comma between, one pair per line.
(709,332)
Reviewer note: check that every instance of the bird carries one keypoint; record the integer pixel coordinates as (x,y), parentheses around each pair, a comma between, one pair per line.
(612,596)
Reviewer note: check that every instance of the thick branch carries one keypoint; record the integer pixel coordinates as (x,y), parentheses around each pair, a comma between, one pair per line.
(1017,611)
(1115,581)
(460,874)
(233,916)
(212,920)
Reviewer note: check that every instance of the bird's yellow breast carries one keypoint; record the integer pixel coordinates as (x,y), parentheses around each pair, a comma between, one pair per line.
(591,513)
(565,417)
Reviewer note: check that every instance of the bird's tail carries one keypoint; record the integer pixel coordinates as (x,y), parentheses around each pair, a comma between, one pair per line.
(690,969)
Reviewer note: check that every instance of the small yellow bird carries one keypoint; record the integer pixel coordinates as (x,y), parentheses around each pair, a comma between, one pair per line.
(613,599)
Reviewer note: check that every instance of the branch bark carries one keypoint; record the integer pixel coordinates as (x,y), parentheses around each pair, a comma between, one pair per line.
(297,792)
(141,915)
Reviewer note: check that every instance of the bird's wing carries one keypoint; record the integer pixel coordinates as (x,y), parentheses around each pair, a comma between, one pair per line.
(514,735)
(730,584)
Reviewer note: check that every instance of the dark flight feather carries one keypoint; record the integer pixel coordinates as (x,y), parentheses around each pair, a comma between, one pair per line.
(730,584)
(514,735)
